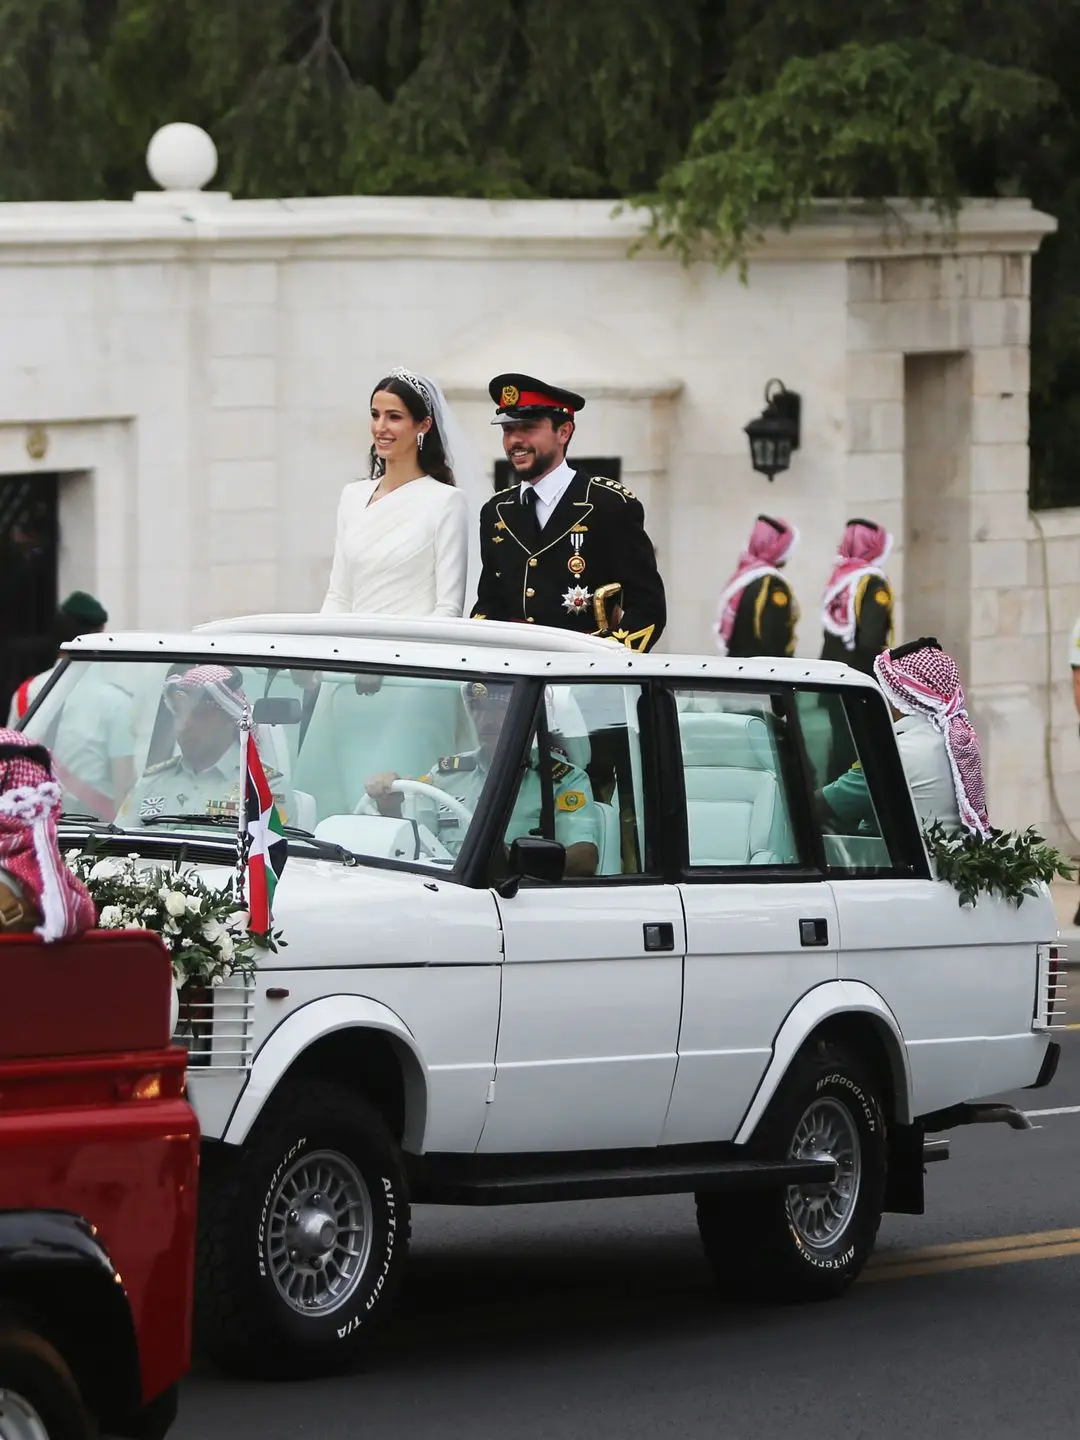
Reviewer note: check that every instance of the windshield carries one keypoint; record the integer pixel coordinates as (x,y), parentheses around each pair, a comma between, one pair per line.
(387,765)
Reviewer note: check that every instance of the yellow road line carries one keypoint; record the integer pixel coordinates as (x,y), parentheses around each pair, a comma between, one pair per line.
(993,1243)
(972,1262)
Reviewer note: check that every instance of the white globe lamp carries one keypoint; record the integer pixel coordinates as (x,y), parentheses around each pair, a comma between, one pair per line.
(182,157)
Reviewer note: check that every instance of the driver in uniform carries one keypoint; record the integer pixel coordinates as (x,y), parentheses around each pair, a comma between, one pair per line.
(206,775)
(464,776)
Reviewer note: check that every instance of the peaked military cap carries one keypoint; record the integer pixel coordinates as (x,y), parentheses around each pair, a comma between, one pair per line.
(523,397)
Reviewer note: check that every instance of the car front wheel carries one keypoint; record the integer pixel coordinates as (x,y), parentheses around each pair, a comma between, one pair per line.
(303,1237)
(39,1399)
(806,1242)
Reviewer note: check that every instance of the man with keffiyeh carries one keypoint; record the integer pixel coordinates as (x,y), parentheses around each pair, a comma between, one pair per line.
(756,612)
(857,607)
(37,890)
(938,746)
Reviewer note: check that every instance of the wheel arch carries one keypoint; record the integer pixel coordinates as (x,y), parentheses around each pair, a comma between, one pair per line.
(57,1280)
(353,1040)
(843,1010)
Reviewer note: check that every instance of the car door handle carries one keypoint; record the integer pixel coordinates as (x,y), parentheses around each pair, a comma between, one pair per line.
(813,932)
(660,936)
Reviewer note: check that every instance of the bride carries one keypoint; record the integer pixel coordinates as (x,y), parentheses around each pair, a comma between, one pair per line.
(402,548)
(402,545)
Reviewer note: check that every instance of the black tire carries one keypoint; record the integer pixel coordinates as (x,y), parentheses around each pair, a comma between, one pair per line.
(33,1373)
(243,1322)
(759,1246)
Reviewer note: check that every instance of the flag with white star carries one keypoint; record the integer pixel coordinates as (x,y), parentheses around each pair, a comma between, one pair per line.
(264,840)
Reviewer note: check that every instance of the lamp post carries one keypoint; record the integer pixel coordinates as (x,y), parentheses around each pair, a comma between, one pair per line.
(775,433)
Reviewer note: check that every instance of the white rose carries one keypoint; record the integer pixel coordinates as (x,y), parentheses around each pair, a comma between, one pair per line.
(175,903)
(111,918)
(212,931)
(106,870)
(225,947)
(194,904)
(218,980)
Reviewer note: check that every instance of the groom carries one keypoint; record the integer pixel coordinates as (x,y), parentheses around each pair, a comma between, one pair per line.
(560,547)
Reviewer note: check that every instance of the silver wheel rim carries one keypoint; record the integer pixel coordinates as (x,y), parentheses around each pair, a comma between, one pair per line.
(819,1214)
(319,1233)
(18,1418)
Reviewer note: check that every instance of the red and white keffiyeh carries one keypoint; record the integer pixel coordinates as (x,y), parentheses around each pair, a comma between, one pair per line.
(29,849)
(863,550)
(926,682)
(771,543)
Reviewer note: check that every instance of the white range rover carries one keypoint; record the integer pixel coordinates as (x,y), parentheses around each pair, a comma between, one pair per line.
(599,939)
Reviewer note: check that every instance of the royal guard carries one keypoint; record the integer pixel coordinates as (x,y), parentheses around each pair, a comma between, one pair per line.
(857,608)
(561,547)
(756,612)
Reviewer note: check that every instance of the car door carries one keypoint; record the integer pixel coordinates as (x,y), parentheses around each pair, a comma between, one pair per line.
(959,980)
(592,966)
(760,917)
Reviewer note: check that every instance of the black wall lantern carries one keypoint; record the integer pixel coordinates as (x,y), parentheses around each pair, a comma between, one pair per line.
(775,433)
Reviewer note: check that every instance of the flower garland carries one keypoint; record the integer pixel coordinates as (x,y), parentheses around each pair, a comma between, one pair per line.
(1009,863)
(203,928)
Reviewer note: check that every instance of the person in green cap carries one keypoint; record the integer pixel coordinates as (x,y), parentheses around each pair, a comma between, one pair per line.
(93,741)
(80,614)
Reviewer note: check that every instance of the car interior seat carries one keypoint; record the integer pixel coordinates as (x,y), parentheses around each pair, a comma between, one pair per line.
(734,809)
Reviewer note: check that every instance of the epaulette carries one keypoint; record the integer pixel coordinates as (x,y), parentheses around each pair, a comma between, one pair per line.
(561,769)
(162,765)
(616,485)
(449,763)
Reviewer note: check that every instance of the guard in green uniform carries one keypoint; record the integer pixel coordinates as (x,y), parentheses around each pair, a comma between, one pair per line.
(206,775)
(464,776)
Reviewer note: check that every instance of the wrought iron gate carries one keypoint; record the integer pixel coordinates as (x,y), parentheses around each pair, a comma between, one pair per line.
(29,542)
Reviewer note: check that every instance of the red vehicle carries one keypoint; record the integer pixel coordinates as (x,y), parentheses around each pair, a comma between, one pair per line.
(98,1190)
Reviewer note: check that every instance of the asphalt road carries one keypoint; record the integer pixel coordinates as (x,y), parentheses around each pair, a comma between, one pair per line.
(596,1320)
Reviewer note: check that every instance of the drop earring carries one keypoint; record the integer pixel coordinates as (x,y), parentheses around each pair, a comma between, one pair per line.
(420,441)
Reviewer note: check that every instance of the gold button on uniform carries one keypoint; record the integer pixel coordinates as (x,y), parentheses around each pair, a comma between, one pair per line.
(533,561)
(529,594)
(529,620)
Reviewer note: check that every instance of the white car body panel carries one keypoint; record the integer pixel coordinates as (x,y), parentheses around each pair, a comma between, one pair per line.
(745,970)
(590,1021)
(835,997)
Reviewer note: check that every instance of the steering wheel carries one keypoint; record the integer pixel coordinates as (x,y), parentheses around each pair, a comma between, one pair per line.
(432,792)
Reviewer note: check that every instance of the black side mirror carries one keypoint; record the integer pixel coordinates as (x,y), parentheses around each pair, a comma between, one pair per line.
(276,710)
(533,858)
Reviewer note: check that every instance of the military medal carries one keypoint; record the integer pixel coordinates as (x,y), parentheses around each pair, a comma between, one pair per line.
(576,600)
(151,807)
(576,563)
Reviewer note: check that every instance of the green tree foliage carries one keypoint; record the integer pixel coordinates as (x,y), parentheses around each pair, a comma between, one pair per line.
(717,116)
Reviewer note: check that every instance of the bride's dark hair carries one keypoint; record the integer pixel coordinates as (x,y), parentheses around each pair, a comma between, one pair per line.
(431,456)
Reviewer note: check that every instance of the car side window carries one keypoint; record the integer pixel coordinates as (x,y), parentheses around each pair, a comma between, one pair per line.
(738,801)
(847,810)
(583,783)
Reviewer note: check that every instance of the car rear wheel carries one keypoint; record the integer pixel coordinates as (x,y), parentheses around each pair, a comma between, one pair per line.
(806,1242)
(303,1237)
(39,1399)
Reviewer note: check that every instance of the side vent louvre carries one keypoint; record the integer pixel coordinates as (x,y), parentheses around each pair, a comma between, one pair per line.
(1051,987)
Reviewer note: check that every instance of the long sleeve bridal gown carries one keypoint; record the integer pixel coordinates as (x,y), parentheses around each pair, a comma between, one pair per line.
(403,554)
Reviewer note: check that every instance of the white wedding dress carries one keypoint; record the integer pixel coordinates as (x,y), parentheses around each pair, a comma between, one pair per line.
(406,553)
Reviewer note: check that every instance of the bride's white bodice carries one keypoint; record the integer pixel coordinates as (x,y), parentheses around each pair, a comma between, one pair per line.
(403,554)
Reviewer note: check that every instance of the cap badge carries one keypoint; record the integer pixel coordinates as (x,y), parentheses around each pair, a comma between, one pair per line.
(510,395)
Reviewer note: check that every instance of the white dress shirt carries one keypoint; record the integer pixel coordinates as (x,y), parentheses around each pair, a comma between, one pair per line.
(929,774)
(549,491)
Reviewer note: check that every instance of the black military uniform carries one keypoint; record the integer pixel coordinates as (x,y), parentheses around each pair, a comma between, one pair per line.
(765,620)
(591,568)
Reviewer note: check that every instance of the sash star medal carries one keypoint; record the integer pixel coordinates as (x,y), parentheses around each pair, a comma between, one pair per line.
(576,599)
(576,563)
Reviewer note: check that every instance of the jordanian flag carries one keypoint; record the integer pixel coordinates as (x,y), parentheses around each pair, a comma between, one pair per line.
(264,839)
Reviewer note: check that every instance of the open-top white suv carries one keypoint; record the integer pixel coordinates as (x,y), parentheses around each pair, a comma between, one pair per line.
(593,937)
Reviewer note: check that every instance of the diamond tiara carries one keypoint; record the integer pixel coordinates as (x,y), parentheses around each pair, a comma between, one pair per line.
(415,383)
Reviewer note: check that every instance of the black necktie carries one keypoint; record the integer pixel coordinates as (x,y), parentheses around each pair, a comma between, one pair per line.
(531,520)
